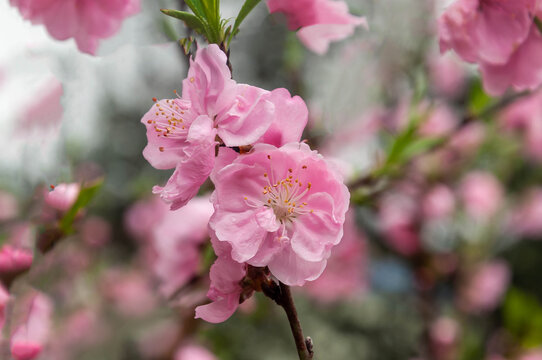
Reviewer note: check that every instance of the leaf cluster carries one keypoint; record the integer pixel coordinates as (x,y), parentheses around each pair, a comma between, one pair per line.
(205,20)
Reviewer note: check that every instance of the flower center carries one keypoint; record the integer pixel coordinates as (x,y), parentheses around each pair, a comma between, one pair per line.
(285,197)
(169,121)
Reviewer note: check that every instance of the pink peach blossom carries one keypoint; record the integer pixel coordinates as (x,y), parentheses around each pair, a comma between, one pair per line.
(87,21)
(318,22)
(29,338)
(500,36)
(481,193)
(225,290)
(63,196)
(280,207)
(346,267)
(193,352)
(486,286)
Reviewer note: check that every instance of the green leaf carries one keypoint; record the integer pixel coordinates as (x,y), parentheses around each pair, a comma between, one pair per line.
(190,20)
(420,146)
(522,314)
(86,194)
(169,30)
(245,10)
(197,7)
(478,99)
(211,8)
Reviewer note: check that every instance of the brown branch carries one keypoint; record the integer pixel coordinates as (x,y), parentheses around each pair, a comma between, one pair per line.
(304,345)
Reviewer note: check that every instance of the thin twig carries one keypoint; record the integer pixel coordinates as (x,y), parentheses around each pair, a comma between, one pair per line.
(304,345)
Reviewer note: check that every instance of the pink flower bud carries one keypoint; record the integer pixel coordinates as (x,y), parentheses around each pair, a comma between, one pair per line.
(62,196)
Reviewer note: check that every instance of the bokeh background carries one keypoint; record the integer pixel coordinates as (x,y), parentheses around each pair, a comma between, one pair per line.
(444,252)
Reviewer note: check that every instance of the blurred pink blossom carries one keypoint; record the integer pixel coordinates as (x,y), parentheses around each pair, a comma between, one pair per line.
(177,241)
(62,196)
(500,36)
(193,352)
(4,299)
(280,207)
(159,339)
(87,21)
(440,122)
(447,75)
(345,274)
(397,216)
(96,231)
(45,111)
(524,115)
(445,335)
(438,202)
(468,138)
(30,337)
(130,292)
(318,22)
(14,261)
(481,193)
(9,208)
(485,287)
(534,354)
(142,217)
(526,219)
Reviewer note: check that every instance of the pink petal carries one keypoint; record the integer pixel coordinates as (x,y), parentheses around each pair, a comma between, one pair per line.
(189,175)
(241,230)
(315,233)
(290,118)
(292,270)
(249,117)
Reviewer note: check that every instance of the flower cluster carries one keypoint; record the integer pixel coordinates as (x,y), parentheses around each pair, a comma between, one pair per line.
(500,36)
(277,204)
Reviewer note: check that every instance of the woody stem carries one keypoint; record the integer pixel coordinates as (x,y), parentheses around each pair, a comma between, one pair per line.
(304,345)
